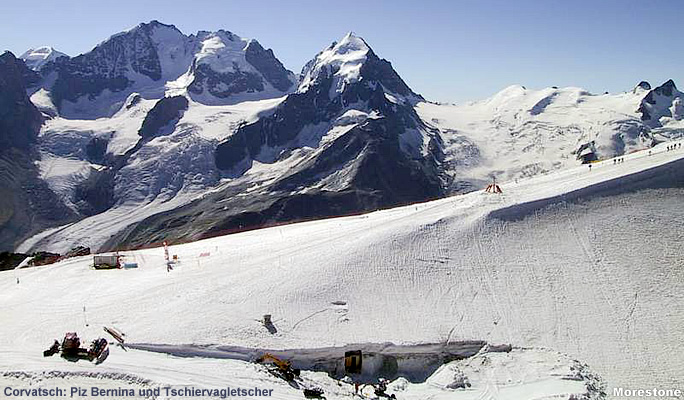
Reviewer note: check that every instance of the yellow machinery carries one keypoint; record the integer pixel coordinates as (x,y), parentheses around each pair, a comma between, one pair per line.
(284,367)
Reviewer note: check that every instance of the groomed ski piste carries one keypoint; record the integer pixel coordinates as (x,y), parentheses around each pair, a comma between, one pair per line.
(579,270)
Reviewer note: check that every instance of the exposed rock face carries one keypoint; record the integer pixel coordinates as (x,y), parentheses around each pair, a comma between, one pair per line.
(289,119)
(165,113)
(379,70)
(10,261)
(224,84)
(20,120)
(96,150)
(96,194)
(663,101)
(666,89)
(385,156)
(643,85)
(107,66)
(26,203)
(268,65)
(226,65)
(148,56)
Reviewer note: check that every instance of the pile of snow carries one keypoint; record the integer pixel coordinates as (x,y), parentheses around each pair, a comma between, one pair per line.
(539,374)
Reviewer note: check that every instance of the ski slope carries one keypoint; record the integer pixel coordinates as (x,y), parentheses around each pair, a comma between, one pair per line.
(575,265)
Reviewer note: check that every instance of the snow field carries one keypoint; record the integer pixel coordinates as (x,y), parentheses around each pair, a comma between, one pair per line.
(594,277)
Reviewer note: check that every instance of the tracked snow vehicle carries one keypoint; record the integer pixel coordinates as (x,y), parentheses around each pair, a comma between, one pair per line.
(71,349)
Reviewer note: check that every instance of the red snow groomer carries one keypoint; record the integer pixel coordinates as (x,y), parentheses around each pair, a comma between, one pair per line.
(71,349)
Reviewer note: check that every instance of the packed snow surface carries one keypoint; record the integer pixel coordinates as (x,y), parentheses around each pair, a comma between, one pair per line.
(596,278)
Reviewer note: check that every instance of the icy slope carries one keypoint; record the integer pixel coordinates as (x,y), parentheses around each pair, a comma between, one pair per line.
(580,261)
(521,132)
(162,174)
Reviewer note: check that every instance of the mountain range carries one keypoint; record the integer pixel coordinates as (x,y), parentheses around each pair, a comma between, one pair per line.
(155,135)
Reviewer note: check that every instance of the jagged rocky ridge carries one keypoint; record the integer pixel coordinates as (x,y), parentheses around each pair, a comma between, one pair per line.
(148,56)
(385,156)
(663,101)
(26,202)
(350,137)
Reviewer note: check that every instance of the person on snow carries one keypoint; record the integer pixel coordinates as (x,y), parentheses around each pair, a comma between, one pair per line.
(382,388)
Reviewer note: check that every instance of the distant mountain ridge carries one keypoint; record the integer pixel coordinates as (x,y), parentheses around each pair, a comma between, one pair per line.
(36,58)
(153,58)
(27,204)
(157,136)
(663,101)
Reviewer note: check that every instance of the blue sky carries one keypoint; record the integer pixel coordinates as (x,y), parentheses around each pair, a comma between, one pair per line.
(446,50)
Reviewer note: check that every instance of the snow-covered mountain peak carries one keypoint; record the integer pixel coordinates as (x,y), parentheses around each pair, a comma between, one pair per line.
(226,65)
(666,89)
(662,104)
(351,42)
(642,86)
(155,60)
(146,29)
(343,59)
(352,64)
(223,51)
(36,58)
(149,26)
(508,94)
